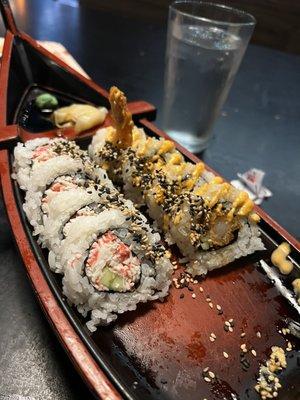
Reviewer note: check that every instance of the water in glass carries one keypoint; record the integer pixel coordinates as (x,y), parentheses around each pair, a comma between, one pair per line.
(203,62)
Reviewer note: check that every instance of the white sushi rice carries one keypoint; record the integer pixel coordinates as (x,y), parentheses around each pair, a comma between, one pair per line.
(22,161)
(60,209)
(45,172)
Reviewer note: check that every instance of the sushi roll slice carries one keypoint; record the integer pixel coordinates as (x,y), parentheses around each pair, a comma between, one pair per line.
(38,161)
(211,222)
(64,197)
(111,261)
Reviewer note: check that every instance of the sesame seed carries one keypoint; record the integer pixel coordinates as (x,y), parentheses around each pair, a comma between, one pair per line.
(258,334)
(253,352)
(195,281)
(230,329)
(243,346)
(243,334)
(227,323)
(212,339)
(208,299)
(211,305)
(213,335)
(205,369)
(201,289)
(289,347)
(211,374)
(218,307)
(207,379)
(225,354)
(193,296)
(230,320)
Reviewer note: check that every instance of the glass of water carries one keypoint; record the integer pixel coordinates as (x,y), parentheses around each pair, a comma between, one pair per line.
(205,45)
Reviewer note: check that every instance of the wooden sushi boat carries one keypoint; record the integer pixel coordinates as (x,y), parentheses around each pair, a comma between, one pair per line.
(160,350)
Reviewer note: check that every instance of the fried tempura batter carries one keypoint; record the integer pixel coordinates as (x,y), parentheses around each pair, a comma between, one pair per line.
(122,118)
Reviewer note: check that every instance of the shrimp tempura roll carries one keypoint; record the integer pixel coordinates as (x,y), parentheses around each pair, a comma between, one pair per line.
(210,221)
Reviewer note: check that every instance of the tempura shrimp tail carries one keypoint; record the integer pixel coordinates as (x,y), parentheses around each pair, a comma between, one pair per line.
(122,118)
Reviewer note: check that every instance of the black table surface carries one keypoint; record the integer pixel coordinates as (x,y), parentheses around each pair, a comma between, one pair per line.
(259,127)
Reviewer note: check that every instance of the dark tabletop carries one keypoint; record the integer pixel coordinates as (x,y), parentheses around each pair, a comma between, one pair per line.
(259,127)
